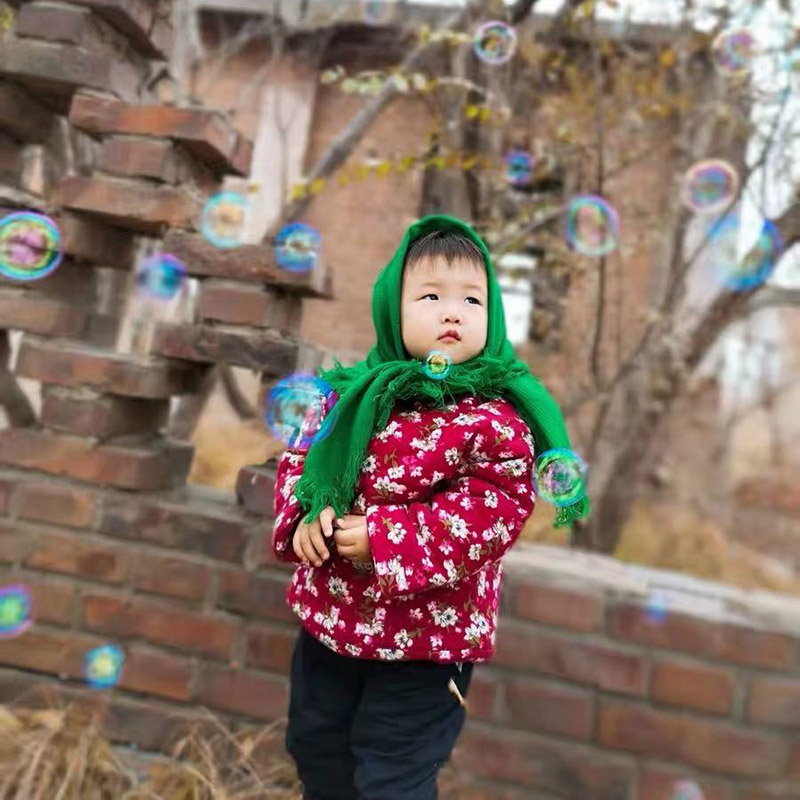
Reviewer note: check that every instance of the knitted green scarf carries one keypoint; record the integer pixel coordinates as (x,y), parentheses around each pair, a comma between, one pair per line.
(369,390)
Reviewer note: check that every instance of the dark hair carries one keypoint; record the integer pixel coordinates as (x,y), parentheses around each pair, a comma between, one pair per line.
(450,245)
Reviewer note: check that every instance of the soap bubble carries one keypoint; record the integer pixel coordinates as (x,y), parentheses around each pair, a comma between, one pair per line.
(657,608)
(161,276)
(15,610)
(560,477)
(710,186)
(686,790)
(740,270)
(297,247)
(592,226)
(519,167)
(495,42)
(377,12)
(103,666)
(734,51)
(438,364)
(225,218)
(296,410)
(30,246)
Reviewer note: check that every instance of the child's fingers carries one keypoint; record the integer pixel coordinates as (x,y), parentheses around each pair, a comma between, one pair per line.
(350,521)
(326,520)
(296,539)
(315,535)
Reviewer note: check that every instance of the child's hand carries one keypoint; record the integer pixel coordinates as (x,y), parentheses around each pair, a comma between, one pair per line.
(308,541)
(352,539)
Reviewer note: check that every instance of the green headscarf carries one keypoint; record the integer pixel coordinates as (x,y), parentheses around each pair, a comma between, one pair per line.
(369,390)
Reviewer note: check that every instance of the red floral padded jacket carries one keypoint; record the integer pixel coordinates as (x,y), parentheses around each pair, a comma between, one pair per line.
(445,492)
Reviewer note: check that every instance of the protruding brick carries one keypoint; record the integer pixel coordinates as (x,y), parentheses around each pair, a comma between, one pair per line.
(252,694)
(547,707)
(74,364)
(159,623)
(255,488)
(51,601)
(157,466)
(88,239)
(132,204)
(87,413)
(33,312)
(561,607)
(270,648)
(48,502)
(774,701)
(56,23)
(152,672)
(255,595)
(172,576)
(77,556)
(46,651)
(715,746)
(23,117)
(698,686)
(601,664)
(244,304)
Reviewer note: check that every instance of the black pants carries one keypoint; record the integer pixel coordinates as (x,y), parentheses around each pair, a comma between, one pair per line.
(361,729)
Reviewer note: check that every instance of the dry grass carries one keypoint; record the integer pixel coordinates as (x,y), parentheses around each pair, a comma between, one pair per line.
(62,754)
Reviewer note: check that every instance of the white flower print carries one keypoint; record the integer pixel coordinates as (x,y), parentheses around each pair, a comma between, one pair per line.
(395,532)
(490,499)
(403,639)
(328,621)
(386,487)
(338,588)
(474,552)
(436,642)
(353,649)
(330,642)
(446,617)
(396,472)
(416,472)
(452,456)
(390,430)
(455,525)
(390,655)
(369,465)
(415,613)
(466,503)
(393,568)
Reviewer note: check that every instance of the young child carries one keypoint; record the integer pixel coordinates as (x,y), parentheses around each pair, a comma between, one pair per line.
(398,518)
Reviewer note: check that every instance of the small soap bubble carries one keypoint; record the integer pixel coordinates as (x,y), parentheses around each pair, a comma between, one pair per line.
(438,364)
(296,410)
(657,608)
(15,610)
(377,12)
(739,270)
(519,168)
(560,477)
(161,276)
(225,219)
(495,42)
(592,226)
(30,246)
(103,666)
(710,186)
(297,247)
(686,790)
(734,51)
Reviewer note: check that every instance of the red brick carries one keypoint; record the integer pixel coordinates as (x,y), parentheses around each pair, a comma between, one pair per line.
(11,159)
(774,701)
(74,555)
(270,648)
(6,488)
(794,761)
(255,488)
(714,746)
(159,623)
(161,464)
(483,697)
(86,413)
(265,351)
(565,769)
(771,791)
(257,595)
(55,23)
(252,694)
(93,242)
(62,505)
(51,602)
(206,133)
(146,158)
(151,672)
(656,783)
(22,116)
(698,686)
(563,608)
(244,304)
(44,651)
(128,203)
(676,631)
(607,666)
(172,576)
(219,533)
(78,365)
(15,543)
(32,312)
(554,709)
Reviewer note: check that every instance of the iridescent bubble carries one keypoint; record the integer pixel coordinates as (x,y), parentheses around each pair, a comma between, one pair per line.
(438,364)
(161,276)
(657,608)
(592,226)
(495,42)
(377,12)
(225,218)
(296,410)
(739,270)
(103,666)
(734,51)
(15,610)
(710,186)
(30,246)
(560,477)
(686,790)
(519,168)
(297,247)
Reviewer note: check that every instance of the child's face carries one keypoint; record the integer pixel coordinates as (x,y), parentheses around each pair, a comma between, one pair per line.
(439,297)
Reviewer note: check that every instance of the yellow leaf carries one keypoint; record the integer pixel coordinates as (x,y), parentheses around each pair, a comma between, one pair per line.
(436,162)
(384,169)
(470,112)
(316,186)
(297,191)
(667,58)
(405,164)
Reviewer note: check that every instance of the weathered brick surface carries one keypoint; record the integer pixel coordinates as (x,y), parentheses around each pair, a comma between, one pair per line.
(255,488)
(243,304)
(33,312)
(87,413)
(52,601)
(172,576)
(59,653)
(155,673)
(78,365)
(253,694)
(254,595)
(75,555)
(693,685)
(658,783)
(563,608)
(270,647)
(774,701)
(22,116)
(55,23)
(153,467)
(540,706)
(95,242)
(62,505)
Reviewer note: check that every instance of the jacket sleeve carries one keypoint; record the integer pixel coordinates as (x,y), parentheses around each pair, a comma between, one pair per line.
(287,509)
(474,521)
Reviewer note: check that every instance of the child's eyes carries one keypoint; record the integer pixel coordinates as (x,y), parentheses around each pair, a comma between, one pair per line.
(436,297)
(477,301)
